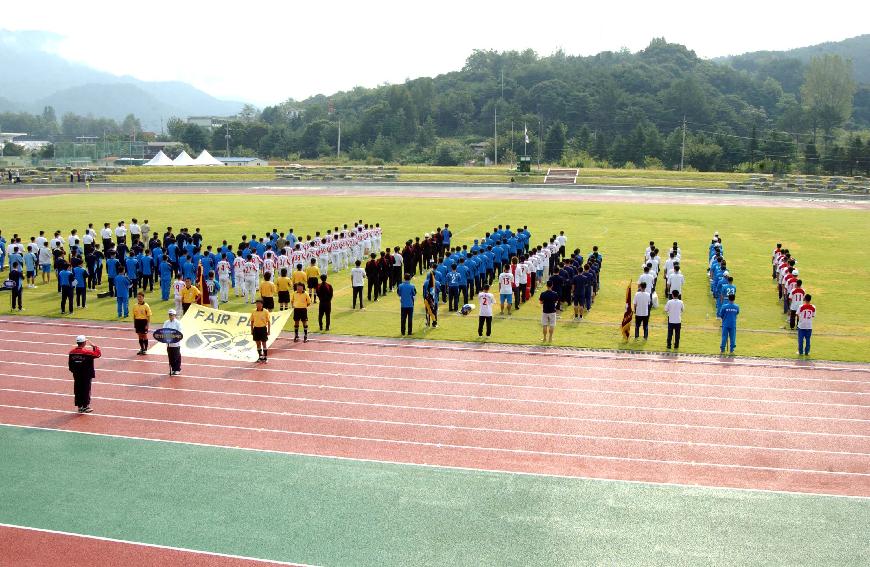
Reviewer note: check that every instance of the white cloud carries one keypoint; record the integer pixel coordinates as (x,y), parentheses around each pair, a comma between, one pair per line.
(266,51)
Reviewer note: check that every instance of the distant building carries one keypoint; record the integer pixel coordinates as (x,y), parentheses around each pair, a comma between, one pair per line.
(479,148)
(242,161)
(210,122)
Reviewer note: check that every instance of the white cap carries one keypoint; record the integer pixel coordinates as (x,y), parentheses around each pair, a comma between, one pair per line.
(794,272)
(81,339)
(172,311)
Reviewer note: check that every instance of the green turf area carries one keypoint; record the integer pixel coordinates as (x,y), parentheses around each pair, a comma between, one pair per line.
(341,512)
(829,244)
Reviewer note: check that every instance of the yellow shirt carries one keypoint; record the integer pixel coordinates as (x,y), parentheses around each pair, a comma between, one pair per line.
(260,318)
(267,289)
(141,311)
(283,284)
(299,277)
(189,294)
(300,300)
(312,272)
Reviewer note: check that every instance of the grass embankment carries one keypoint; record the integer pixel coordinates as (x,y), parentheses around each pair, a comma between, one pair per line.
(824,246)
(459,174)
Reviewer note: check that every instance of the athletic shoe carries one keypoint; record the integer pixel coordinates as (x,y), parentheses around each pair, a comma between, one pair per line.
(86,409)
(305,340)
(295,339)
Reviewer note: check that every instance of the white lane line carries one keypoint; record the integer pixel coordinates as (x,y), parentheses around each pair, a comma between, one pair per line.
(461,396)
(430,466)
(426,444)
(449,410)
(454,427)
(155,546)
(524,350)
(418,369)
(464,396)
(512,364)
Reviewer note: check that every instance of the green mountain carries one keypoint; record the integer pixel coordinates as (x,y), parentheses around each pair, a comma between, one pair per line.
(43,78)
(787,66)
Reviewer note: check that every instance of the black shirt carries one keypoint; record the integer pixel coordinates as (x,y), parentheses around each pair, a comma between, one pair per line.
(549,299)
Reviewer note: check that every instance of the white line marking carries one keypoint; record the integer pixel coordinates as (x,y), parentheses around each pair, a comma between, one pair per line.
(436,467)
(523,350)
(154,545)
(569,378)
(431,445)
(452,427)
(450,410)
(543,402)
(487,398)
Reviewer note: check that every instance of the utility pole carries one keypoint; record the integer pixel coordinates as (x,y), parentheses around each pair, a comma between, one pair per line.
(495,135)
(683,152)
(227,137)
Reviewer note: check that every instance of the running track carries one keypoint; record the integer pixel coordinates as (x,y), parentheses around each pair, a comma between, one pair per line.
(691,421)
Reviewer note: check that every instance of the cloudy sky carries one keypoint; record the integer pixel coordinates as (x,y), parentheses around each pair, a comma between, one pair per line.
(264,51)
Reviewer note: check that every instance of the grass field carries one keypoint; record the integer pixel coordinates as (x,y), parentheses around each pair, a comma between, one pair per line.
(831,257)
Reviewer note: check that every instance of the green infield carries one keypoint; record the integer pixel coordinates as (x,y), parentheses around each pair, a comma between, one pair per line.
(326,511)
(829,244)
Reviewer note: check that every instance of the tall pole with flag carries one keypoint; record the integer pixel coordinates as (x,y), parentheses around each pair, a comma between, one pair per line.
(525,139)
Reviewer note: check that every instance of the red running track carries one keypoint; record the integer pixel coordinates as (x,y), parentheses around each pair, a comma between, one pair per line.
(792,426)
(45,548)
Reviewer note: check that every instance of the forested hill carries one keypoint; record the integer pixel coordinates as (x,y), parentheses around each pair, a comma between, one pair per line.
(617,106)
(786,66)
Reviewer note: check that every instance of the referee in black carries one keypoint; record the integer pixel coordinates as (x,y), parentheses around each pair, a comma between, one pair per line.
(81,364)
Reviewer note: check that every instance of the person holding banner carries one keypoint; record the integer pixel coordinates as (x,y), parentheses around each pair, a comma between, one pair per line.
(300,303)
(261,326)
(141,320)
(173,350)
(189,294)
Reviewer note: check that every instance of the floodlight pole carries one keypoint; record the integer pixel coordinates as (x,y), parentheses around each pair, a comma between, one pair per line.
(339,139)
(495,136)
(683,151)
(227,136)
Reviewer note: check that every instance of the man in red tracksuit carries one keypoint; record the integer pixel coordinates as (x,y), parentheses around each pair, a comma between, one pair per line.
(81,364)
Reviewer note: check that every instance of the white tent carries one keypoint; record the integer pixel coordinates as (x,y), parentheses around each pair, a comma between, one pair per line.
(183,159)
(206,158)
(160,159)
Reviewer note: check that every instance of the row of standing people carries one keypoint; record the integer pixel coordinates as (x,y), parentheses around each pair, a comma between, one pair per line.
(796,302)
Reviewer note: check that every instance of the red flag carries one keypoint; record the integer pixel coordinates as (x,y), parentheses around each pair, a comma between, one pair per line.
(628,315)
(200,283)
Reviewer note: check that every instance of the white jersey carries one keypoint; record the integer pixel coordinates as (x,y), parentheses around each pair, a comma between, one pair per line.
(269,266)
(675,281)
(106,233)
(239,265)
(297,258)
(178,286)
(485,300)
(223,270)
(251,271)
(506,283)
(521,274)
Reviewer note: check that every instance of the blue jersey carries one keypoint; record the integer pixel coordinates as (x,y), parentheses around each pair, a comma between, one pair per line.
(446,235)
(172,252)
(122,286)
(188,270)
(146,264)
(132,265)
(29,262)
(165,271)
(112,267)
(454,279)
(80,274)
(462,270)
(406,292)
(65,278)
(728,313)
